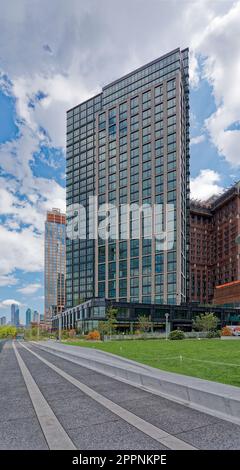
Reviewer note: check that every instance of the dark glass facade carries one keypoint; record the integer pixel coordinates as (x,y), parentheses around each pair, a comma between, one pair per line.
(130,145)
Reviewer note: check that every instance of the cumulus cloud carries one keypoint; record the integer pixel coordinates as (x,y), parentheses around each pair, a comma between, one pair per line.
(60,92)
(24,201)
(22,249)
(205,185)
(82,47)
(7,280)
(197,140)
(218,46)
(9,302)
(74,49)
(30,289)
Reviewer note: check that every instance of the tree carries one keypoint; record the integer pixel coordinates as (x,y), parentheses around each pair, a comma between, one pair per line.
(205,322)
(103,329)
(7,331)
(144,324)
(34,332)
(109,326)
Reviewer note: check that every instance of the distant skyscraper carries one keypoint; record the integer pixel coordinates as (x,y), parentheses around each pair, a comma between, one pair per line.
(29,316)
(13,308)
(36,316)
(15,320)
(55,263)
(17,317)
(3,321)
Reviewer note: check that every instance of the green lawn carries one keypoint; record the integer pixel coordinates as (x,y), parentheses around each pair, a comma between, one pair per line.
(215,360)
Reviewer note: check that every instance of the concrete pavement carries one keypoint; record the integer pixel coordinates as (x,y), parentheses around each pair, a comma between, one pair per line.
(88,423)
(217,399)
(1,344)
(19,426)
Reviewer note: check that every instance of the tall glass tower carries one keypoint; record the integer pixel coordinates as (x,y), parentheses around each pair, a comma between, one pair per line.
(55,263)
(29,316)
(15,315)
(130,145)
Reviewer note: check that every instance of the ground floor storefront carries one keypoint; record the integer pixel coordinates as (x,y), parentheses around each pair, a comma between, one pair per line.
(85,317)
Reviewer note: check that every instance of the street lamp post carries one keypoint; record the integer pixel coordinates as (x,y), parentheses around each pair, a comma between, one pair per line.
(166,316)
(60,327)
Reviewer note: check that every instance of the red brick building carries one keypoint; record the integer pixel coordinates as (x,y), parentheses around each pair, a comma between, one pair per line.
(227,294)
(214,252)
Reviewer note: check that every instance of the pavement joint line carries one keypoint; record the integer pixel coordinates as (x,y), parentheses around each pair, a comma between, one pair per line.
(55,435)
(159,435)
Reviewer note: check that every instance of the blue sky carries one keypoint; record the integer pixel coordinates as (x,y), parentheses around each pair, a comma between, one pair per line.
(205,154)
(56,54)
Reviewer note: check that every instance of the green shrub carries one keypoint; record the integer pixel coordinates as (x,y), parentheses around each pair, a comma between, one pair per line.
(176,334)
(213,334)
(8,331)
(64,334)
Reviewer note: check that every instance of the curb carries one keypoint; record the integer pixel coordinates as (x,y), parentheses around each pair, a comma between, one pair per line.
(224,404)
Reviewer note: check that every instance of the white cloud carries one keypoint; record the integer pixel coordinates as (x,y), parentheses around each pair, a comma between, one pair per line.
(75,48)
(61,92)
(205,185)
(9,302)
(88,48)
(30,289)
(197,140)
(20,250)
(17,155)
(7,280)
(24,199)
(219,46)
(81,48)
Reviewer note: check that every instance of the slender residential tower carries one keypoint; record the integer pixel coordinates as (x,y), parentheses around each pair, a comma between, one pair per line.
(29,316)
(130,144)
(55,263)
(15,318)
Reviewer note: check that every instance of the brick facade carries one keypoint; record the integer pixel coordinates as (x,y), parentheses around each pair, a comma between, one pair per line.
(214,253)
(227,294)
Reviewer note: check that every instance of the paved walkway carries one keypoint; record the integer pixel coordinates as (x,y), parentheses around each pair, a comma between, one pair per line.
(92,410)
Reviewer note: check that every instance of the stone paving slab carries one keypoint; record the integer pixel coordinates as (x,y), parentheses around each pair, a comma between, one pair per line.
(211,397)
(173,417)
(19,426)
(88,424)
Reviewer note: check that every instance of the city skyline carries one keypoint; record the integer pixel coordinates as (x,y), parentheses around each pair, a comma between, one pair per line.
(31,106)
(22,311)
